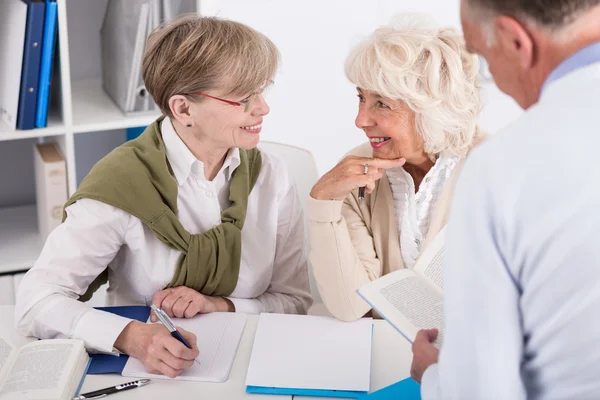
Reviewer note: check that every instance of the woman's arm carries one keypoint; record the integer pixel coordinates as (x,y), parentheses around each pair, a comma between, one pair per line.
(342,255)
(75,253)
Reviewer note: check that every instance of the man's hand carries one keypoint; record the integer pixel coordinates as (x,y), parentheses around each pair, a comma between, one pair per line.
(154,346)
(424,353)
(184,302)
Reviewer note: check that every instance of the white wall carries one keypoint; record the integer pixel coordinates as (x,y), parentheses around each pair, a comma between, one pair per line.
(312,103)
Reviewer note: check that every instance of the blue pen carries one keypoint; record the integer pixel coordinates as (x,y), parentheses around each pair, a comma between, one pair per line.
(166,321)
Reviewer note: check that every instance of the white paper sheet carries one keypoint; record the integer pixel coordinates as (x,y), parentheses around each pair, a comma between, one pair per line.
(311,352)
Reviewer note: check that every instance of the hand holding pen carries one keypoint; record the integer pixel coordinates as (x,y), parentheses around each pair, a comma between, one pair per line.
(352,173)
(157,348)
(166,321)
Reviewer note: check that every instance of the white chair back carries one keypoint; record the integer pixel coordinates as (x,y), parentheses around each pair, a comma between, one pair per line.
(303,169)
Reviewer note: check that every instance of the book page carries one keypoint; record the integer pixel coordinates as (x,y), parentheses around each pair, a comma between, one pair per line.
(41,370)
(407,302)
(430,264)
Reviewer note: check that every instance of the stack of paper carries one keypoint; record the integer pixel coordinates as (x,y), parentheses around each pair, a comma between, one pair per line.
(310,355)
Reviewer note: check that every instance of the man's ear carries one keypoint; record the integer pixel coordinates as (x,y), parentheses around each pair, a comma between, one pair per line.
(515,40)
(180,108)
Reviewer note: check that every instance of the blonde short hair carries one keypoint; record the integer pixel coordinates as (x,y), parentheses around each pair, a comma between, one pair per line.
(197,54)
(429,69)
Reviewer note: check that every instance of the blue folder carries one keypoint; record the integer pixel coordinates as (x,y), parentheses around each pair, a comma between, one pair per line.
(406,389)
(305,392)
(43,98)
(30,68)
(108,364)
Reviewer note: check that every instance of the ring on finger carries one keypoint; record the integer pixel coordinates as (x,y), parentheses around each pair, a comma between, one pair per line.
(366,170)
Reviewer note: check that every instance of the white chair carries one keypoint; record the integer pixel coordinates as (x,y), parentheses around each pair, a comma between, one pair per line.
(303,169)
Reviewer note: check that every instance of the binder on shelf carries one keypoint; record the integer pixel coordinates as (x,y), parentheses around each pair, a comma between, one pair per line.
(50,186)
(125,29)
(50,24)
(13,21)
(123,38)
(30,70)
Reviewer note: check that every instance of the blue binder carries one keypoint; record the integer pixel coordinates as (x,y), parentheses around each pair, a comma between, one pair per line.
(30,70)
(108,364)
(41,114)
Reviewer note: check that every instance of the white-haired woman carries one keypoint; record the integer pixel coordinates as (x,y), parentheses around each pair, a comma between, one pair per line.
(418,104)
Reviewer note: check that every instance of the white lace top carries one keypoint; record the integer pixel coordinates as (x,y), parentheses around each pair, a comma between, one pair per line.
(414,210)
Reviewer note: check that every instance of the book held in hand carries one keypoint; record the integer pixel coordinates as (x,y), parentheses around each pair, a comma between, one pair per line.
(44,369)
(412,300)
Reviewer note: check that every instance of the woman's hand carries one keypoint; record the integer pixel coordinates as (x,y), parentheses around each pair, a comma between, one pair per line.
(349,174)
(154,346)
(184,302)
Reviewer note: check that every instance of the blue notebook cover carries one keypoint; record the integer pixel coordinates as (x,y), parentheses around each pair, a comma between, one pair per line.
(83,377)
(108,364)
(30,69)
(41,114)
(406,389)
(305,392)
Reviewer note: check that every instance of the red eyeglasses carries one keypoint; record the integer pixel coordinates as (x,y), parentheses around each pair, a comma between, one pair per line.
(246,104)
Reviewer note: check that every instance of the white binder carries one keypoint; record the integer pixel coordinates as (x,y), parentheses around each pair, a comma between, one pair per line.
(13,20)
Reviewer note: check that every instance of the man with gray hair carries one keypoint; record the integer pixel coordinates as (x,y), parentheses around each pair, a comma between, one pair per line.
(522,272)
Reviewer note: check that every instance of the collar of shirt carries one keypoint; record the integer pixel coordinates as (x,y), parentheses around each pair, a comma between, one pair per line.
(584,57)
(444,162)
(184,163)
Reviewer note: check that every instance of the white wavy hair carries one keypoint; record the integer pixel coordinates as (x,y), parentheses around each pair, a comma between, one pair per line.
(413,60)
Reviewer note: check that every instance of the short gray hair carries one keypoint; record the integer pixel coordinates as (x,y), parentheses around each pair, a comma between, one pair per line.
(429,69)
(553,14)
(197,54)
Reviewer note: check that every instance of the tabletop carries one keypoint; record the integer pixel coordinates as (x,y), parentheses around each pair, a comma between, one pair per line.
(390,362)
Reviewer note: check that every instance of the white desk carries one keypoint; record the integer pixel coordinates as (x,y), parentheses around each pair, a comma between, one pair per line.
(391,358)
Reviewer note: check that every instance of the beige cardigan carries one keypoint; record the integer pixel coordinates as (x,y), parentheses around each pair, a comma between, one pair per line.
(352,245)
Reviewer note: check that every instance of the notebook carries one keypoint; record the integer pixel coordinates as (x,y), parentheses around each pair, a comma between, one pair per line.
(218,335)
(310,356)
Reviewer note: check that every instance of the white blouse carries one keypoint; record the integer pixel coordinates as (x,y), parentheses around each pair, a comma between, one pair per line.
(273,273)
(414,210)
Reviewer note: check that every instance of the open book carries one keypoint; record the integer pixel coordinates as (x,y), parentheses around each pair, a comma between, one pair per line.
(412,300)
(44,369)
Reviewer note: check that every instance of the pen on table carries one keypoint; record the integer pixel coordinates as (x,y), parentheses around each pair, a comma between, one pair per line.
(96,394)
(166,321)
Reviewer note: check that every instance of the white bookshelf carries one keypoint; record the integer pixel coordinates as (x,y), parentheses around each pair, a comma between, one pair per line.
(82,109)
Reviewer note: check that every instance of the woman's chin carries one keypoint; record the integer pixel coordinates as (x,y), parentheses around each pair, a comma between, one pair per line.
(384,155)
(248,143)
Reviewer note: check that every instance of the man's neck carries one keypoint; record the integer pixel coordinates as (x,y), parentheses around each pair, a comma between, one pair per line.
(582,33)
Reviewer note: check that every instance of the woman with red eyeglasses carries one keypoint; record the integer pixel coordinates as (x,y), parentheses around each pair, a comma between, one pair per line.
(190,216)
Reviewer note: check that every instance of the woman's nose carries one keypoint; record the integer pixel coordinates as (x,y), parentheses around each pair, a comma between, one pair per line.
(260,107)
(363,118)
